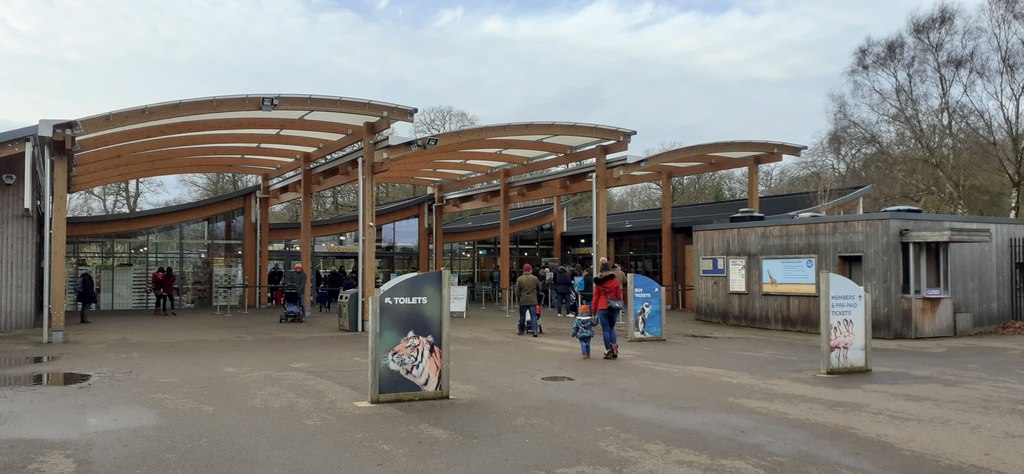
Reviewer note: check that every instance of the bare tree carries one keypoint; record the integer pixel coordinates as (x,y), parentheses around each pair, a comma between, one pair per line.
(997,98)
(905,118)
(200,186)
(115,198)
(442,118)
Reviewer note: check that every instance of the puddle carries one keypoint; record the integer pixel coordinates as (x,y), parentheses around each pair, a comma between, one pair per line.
(44,378)
(557,378)
(16,361)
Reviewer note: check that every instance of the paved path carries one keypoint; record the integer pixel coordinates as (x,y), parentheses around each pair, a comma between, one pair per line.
(204,393)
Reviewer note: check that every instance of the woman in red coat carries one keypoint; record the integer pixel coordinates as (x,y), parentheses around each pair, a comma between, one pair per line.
(168,287)
(607,286)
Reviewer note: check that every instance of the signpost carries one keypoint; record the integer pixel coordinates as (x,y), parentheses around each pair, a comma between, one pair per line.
(646,309)
(845,326)
(409,350)
(459,295)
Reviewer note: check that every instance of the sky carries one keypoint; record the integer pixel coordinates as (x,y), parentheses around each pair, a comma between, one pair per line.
(678,72)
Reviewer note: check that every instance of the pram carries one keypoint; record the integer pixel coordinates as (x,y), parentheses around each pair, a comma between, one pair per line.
(529,326)
(292,311)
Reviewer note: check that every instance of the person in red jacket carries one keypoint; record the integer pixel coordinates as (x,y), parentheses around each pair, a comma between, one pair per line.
(156,284)
(168,282)
(607,286)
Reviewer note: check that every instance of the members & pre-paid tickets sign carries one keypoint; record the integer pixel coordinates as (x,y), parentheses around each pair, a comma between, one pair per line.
(408,339)
(845,326)
(646,309)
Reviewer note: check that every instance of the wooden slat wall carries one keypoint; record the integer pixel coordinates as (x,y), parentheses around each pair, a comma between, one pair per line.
(980,274)
(20,253)
(796,313)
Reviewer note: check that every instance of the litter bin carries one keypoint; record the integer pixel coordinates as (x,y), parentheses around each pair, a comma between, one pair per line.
(348,310)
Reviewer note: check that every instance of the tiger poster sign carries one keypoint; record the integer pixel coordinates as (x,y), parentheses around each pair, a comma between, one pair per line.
(409,331)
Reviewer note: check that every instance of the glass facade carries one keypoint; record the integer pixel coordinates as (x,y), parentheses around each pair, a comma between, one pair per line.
(639,254)
(203,254)
(397,251)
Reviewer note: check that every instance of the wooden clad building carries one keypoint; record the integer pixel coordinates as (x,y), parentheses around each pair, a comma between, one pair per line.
(21,227)
(926,275)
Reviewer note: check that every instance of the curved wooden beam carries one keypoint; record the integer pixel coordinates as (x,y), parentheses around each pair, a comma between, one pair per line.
(91,142)
(195,140)
(450,237)
(151,172)
(321,229)
(259,156)
(133,223)
(244,103)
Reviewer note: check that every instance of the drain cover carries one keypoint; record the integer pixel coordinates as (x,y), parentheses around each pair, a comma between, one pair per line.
(557,378)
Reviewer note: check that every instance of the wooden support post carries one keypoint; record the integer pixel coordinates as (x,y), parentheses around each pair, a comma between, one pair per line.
(504,255)
(261,266)
(58,244)
(601,208)
(559,226)
(368,232)
(438,230)
(666,233)
(306,230)
(423,236)
(753,187)
(249,253)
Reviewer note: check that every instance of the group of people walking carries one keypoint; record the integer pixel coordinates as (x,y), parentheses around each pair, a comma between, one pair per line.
(606,303)
(161,284)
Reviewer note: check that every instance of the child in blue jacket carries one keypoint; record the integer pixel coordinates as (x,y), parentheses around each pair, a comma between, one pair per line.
(583,329)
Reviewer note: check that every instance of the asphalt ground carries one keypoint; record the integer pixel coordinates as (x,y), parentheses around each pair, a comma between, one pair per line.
(209,393)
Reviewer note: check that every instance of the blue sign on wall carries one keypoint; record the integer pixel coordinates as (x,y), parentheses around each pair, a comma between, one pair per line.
(712,266)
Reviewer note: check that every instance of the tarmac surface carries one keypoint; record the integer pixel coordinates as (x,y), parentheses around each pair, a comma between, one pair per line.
(208,393)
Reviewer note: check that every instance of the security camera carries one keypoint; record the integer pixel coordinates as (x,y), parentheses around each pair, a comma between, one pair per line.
(9,179)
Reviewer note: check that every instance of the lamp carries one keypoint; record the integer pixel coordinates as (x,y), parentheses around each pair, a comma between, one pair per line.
(431,142)
(268,103)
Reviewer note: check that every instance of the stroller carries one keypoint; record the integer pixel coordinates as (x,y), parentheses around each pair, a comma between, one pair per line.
(529,327)
(291,312)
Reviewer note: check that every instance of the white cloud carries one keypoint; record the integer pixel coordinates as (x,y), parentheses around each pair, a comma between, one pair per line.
(710,71)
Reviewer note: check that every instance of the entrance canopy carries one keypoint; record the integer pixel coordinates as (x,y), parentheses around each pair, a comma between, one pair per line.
(250,134)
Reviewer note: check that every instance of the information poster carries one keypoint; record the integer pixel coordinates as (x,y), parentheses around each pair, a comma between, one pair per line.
(712,266)
(789,276)
(737,274)
(408,351)
(457,300)
(845,326)
(646,309)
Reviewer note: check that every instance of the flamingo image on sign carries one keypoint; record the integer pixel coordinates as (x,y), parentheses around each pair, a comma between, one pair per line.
(845,326)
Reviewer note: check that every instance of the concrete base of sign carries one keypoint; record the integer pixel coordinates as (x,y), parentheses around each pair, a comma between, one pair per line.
(57,337)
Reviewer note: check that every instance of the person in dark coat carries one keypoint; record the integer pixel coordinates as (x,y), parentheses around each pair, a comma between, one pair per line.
(274,285)
(334,281)
(587,295)
(86,295)
(563,288)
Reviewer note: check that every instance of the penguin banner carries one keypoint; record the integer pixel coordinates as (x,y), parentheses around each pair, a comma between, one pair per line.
(646,309)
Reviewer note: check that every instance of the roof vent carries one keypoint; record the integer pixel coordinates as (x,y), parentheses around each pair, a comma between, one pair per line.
(910,209)
(746,215)
(807,215)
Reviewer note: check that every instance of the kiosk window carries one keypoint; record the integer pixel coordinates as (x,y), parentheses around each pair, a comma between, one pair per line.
(925,268)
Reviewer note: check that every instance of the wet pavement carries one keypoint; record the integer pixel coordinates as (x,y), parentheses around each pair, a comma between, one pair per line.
(202,392)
